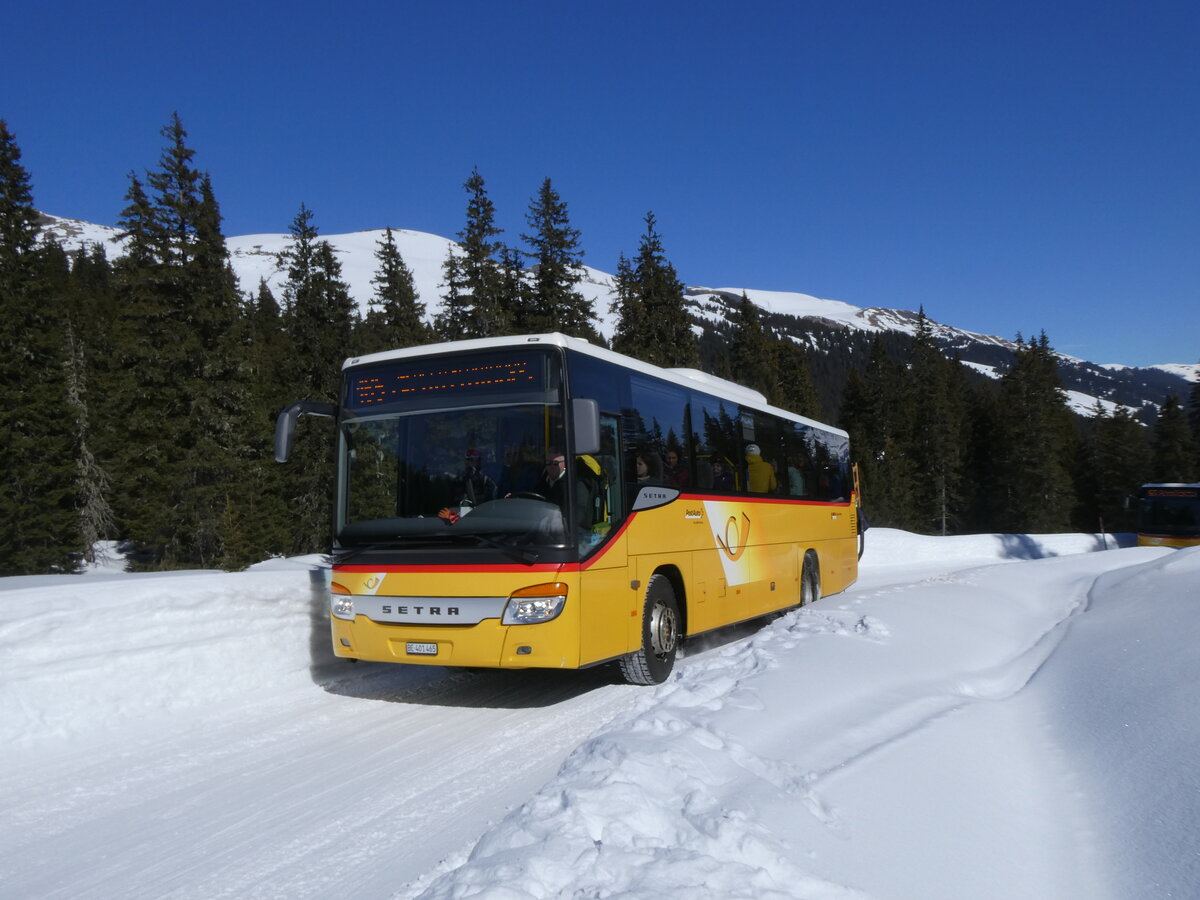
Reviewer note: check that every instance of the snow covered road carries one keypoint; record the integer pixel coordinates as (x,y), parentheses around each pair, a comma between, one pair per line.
(951,727)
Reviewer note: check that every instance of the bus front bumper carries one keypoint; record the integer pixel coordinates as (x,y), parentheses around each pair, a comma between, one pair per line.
(488,644)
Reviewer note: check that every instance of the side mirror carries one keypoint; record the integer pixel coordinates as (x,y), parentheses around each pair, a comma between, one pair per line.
(586,417)
(285,425)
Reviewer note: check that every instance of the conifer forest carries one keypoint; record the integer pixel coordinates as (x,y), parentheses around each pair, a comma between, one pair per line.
(140,393)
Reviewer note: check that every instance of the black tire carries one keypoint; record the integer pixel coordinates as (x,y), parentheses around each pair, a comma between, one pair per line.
(810,580)
(653,661)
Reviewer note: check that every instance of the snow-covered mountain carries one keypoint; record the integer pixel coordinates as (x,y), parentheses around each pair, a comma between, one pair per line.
(798,315)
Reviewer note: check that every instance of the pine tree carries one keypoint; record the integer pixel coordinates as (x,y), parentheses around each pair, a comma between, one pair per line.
(321,319)
(18,219)
(181,387)
(1118,461)
(96,520)
(875,414)
(1034,443)
(456,320)
(554,302)
(1174,453)
(215,508)
(38,520)
(627,306)
(319,313)
(936,432)
(1194,423)
(750,356)
(270,362)
(794,387)
(176,190)
(395,319)
(473,305)
(653,323)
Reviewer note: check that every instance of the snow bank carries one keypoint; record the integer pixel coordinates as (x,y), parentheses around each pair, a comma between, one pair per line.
(719,784)
(994,716)
(83,654)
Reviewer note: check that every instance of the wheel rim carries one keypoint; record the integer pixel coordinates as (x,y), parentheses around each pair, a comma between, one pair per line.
(664,629)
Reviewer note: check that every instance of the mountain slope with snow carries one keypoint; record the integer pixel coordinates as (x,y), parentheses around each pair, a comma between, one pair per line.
(255,258)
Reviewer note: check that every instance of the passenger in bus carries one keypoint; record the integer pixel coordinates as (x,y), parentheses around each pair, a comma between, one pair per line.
(722,478)
(796,485)
(646,467)
(676,474)
(759,473)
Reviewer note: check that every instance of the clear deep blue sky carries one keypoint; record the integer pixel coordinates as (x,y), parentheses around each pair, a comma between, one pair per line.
(1012,166)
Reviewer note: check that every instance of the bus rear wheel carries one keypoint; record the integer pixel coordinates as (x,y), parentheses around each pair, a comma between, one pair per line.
(653,661)
(810,580)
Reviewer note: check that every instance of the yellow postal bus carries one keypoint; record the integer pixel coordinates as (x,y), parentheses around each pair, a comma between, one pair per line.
(1168,515)
(536,501)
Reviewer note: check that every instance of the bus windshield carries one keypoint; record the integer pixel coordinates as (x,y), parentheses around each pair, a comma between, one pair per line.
(472,473)
(1172,510)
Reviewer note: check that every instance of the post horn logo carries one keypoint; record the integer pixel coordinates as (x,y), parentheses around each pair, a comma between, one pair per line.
(735,546)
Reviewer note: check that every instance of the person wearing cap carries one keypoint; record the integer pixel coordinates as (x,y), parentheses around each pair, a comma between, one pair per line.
(759,473)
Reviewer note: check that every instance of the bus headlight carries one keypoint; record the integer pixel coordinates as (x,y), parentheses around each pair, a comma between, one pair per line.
(539,603)
(341,602)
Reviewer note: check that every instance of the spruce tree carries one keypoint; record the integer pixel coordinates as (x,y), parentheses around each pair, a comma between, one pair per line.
(750,356)
(794,387)
(319,313)
(474,302)
(321,319)
(175,187)
(456,320)
(180,389)
(1035,443)
(936,432)
(395,319)
(875,412)
(627,307)
(270,362)
(554,302)
(216,509)
(1194,423)
(1118,461)
(653,323)
(1174,453)
(38,519)
(18,218)
(983,503)
(94,487)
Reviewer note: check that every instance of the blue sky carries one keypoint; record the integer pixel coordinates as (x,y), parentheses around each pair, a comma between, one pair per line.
(1011,166)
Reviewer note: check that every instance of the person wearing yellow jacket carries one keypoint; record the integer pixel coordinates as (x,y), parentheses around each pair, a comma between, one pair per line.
(759,473)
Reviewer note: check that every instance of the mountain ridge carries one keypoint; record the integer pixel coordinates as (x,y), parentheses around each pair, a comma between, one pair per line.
(795,315)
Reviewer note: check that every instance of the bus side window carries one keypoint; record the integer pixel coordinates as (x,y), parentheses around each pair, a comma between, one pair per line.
(610,472)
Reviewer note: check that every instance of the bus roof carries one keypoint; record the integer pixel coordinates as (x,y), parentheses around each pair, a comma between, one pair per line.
(701,381)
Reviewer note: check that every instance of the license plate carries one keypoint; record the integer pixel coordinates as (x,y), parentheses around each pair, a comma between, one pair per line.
(413,648)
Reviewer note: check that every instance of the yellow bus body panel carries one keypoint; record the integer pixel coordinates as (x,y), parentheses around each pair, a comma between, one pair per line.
(717,549)
(1151,540)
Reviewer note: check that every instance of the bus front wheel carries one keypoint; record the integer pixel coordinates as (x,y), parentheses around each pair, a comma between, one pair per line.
(653,661)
